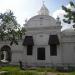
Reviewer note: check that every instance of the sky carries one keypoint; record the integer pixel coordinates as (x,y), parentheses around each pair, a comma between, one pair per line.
(24,9)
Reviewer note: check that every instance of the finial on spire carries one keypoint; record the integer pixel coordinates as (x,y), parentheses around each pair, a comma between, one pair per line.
(43,2)
(58,20)
(43,10)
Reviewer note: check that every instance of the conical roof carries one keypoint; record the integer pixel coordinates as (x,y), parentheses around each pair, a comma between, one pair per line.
(44,10)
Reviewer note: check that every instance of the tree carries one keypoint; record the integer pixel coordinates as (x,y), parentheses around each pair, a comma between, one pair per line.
(8,26)
(70,14)
(13,38)
(8,21)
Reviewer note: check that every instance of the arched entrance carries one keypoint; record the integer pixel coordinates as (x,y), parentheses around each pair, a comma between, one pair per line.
(5,54)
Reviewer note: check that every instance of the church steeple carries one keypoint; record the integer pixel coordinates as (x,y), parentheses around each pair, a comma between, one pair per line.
(44,10)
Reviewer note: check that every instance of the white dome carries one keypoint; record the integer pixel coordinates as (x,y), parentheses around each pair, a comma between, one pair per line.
(68,31)
(44,10)
(41,21)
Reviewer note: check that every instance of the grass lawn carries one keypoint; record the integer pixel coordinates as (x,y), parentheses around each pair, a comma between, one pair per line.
(11,70)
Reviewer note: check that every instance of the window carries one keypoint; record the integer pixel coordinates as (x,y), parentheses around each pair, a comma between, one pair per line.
(29,50)
(41,53)
(53,50)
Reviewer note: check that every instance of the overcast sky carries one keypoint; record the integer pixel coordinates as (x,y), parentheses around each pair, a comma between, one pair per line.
(27,8)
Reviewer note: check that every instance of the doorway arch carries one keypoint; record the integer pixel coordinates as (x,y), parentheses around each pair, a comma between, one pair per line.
(5,54)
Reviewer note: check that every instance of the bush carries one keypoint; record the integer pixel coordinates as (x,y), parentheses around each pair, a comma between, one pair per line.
(20,73)
(46,69)
(9,68)
(51,69)
(40,69)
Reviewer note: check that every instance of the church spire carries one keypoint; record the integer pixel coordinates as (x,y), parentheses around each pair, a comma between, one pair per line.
(44,10)
(43,2)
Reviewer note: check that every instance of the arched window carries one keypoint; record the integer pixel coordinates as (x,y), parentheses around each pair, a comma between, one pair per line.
(5,54)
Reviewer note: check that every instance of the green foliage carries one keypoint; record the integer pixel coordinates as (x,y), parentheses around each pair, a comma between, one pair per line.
(24,73)
(70,16)
(72,4)
(51,69)
(73,73)
(10,68)
(9,27)
(43,69)
(13,40)
(6,18)
(38,69)
(60,74)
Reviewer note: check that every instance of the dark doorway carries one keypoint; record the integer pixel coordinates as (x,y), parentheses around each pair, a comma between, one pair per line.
(29,50)
(53,50)
(41,53)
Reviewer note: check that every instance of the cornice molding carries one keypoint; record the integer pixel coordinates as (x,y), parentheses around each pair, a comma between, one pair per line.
(43,27)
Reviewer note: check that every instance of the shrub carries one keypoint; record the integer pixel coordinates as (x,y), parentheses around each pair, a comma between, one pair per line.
(51,69)
(20,73)
(9,68)
(46,69)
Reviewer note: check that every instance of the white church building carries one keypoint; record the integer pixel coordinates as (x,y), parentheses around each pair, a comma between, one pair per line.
(44,44)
